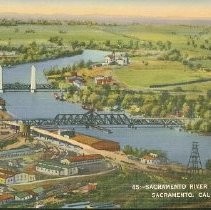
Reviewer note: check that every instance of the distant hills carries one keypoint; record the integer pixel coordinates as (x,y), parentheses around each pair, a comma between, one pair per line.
(109,19)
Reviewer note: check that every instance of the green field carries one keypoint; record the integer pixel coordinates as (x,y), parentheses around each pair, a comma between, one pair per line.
(138,75)
(193,43)
(17,34)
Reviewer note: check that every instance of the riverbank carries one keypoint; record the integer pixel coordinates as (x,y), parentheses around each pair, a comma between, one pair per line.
(53,57)
(4,115)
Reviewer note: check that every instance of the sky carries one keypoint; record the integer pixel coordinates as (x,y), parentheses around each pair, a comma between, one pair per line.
(143,8)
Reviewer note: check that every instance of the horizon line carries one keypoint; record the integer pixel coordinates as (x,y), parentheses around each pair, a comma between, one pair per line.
(105,15)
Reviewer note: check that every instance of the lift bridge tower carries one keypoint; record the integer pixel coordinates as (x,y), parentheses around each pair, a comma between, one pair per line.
(194,163)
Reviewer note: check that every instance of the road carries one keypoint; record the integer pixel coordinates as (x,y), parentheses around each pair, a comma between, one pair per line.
(65,178)
(118,157)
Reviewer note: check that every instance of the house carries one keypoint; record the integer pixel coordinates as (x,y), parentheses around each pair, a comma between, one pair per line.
(9,177)
(23,196)
(6,198)
(71,79)
(102,80)
(110,59)
(122,60)
(87,188)
(87,163)
(24,178)
(6,177)
(56,169)
(17,152)
(7,54)
(150,159)
(117,59)
(83,159)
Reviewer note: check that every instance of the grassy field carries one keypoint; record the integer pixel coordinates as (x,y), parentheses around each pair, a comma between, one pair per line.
(138,75)
(17,34)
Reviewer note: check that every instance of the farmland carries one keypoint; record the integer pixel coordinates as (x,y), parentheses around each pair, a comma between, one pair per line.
(137,75)
(150,44)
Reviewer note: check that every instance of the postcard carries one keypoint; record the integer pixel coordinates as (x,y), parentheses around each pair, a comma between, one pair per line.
(105,104)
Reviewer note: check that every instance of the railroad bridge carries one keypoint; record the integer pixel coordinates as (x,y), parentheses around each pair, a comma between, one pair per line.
(92,118)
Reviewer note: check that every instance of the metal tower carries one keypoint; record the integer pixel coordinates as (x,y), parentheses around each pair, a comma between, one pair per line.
(1,80)
(33,79)
(194,163)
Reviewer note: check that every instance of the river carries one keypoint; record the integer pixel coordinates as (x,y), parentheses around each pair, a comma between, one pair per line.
(23,105)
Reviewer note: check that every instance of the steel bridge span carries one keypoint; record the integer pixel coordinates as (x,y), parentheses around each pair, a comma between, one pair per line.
(12,87)
(102,119)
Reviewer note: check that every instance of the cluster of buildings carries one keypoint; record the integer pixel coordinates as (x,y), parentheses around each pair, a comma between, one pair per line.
(117,59)
(76,80)
(17,152)
(112,59)
(7,54)
(152,159)
(8,196)
(9,177)
(74,165)
(103,80)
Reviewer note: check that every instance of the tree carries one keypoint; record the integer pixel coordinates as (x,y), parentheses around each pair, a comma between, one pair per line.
(119,43)
(107,43)
(56,40)
(156,111)
(209,94)
(81,64)
(74,44)
(185,110)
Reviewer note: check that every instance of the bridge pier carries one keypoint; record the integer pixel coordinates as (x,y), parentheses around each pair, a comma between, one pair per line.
(1,80)
(33,79)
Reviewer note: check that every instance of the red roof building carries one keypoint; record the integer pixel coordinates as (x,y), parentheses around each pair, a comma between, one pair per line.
(83,158)
(5,198)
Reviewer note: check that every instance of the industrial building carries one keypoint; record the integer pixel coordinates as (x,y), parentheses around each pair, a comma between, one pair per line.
(56,169)
(97,143)
(88,163)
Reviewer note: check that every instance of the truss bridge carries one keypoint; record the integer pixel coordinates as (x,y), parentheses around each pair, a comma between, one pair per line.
(92,118)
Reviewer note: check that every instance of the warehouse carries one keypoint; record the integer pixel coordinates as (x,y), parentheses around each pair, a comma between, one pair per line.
(97,143)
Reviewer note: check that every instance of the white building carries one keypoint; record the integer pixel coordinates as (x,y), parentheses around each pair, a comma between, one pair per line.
(24,178)
(8,177)
(150,159)
(23,196)
(56,169)
(117,59)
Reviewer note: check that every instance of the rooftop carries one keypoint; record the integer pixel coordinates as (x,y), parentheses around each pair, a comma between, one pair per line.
(22,194)
(27,149)
(6,173)
(149,157)
(85,157)
(6,196)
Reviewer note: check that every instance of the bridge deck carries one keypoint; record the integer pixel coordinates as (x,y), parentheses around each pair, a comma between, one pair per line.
(99,119)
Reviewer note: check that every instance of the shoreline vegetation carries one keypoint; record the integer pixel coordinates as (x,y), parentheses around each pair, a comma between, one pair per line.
(137,103)
(4,115)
